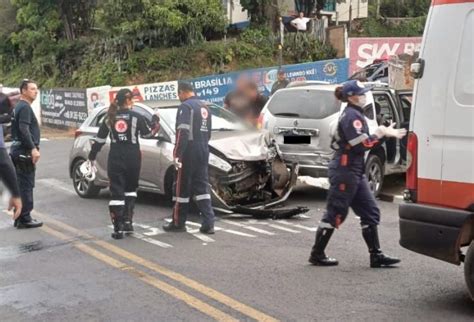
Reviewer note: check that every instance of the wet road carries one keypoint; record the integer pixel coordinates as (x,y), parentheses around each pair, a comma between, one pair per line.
(250,270)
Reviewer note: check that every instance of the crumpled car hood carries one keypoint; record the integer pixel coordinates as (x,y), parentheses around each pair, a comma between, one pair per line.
(242,146)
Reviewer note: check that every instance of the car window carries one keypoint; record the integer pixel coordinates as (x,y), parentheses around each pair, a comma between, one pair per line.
(304,103)
(406,100)
(98,119)
(142,112)
(383,108)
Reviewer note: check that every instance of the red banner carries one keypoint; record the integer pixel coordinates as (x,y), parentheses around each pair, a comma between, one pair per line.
(363,51)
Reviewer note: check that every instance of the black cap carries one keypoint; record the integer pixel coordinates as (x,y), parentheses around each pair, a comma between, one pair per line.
(122,95)
(185,87)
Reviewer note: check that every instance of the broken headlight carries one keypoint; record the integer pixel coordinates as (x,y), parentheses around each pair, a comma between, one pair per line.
(218,163)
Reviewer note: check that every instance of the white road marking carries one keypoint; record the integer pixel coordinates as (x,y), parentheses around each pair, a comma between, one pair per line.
(153,231)
(150,240)
(258,230)
(230,231)
(56,184)
(195,232)
(313,229)
(284,228)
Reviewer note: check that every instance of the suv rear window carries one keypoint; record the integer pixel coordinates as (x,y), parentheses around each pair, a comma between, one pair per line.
(304,103)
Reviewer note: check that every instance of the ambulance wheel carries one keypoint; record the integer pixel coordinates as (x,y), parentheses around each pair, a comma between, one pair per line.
(469,269)
(374,172)
(84,188)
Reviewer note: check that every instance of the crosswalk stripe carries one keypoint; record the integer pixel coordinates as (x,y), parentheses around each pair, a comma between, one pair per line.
(313,229)
(230,231)
(255,229)
(284,228)
(198,235)
(150,240)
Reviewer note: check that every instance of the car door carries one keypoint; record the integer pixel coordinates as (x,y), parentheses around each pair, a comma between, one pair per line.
(103,155)
(386,113)
(150,178)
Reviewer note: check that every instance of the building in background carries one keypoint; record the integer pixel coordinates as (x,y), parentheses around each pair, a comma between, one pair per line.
(236,16)
(339,10)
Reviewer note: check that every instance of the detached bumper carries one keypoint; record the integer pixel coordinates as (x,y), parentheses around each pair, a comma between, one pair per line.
(435,231)
(221,206)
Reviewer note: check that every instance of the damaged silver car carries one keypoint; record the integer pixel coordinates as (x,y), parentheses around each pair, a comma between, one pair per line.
(245,166)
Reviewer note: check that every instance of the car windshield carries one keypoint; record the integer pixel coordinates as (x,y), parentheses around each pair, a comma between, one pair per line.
(222,120)
(304,103)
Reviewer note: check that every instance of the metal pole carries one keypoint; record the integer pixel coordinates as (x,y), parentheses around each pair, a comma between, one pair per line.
(377,14)
(350,16)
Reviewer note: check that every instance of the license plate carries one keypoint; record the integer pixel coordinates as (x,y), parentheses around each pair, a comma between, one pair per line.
(297,139)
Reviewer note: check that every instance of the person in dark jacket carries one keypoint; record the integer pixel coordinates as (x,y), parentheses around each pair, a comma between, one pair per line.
(281,82)
(191,155)
(124,126)
(24,151)
(348,184)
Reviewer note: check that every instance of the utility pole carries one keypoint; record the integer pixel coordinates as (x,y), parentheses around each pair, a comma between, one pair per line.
(377,12)
(350,16)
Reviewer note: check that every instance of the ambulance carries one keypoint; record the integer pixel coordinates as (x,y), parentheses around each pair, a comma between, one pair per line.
(437,218)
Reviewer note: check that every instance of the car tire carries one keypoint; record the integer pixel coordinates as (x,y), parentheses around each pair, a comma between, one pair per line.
(83,188)
(375,174)
(469,269)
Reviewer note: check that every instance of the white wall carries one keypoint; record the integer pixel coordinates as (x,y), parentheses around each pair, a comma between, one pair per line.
(360,9)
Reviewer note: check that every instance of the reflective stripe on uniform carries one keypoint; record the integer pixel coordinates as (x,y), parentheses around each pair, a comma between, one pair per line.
(327,225)
(117,203)
(202,197)
(191,134)
(131,194)
(134,130)
(184,126)
(181,200)
(361,138)
(99,140)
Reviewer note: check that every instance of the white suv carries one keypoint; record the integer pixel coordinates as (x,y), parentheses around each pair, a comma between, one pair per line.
(300,117)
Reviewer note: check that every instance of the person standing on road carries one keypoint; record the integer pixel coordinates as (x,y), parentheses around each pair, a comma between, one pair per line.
(124,126)
(191,157)
(24,151)
(7,170)
(281,82)
(348,184)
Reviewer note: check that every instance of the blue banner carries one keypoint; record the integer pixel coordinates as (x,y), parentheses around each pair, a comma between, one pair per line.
(215,88)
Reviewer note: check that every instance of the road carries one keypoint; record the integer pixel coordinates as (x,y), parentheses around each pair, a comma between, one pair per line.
(71,269)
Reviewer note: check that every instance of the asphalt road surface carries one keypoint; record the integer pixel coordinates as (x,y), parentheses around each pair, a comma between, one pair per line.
(71,269)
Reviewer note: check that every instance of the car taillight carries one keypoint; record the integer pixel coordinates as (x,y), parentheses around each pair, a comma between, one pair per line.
(412,171)
(77,133)
(260,121)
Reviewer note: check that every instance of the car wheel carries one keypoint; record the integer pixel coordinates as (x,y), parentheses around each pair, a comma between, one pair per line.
(469,269)
(84,188)
(374,172)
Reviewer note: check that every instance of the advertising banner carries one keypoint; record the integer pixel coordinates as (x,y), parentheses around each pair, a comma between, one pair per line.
(166,91)
(214,88)
(98,97)
(363,51)
(63,107)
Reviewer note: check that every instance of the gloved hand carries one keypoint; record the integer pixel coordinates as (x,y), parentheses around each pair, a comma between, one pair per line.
(390,131)
(177,164)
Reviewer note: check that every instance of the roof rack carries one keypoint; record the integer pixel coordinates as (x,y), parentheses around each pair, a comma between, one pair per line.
(306,83)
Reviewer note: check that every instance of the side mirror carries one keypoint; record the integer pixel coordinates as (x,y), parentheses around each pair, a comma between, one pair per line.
(417,68)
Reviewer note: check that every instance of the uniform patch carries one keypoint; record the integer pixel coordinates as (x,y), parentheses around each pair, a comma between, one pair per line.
(121,126)
(357,124)
(204,113)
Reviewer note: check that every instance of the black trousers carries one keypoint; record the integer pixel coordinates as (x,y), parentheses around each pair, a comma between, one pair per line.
(123,170)
(26,181)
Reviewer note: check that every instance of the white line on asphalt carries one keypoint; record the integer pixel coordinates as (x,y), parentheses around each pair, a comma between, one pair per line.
(258,230)
(150,240)
(153,231)
(56,184)
(297,225)
(230,231)
(195,232)
(145,238)
(284,228)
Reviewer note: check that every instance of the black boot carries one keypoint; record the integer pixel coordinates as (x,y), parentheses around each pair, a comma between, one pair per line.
(171,227)
(116,215)
(377,258)
(129,211)
(318,257)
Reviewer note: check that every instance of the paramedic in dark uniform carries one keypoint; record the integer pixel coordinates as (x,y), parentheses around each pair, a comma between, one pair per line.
(124,126)
(24,151)
(348,184)
(191,155)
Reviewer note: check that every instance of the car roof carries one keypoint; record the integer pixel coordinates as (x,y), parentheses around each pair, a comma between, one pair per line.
(161,104)
(320,87)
